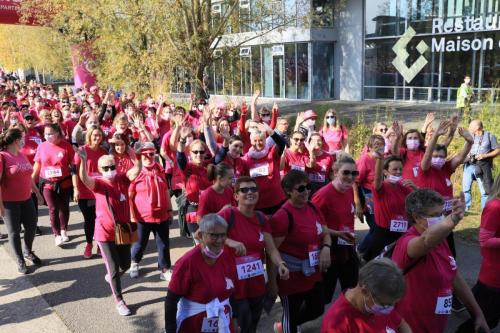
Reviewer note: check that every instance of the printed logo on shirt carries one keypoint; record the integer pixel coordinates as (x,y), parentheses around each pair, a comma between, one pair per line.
(261,237)
(319,229)
(122,197)
(389,330)
(453,263)
(60,155)
(448,182)
(229,284)
(353,209)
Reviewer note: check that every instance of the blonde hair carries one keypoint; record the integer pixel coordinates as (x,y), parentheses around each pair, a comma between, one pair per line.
(337,120)
(91,130)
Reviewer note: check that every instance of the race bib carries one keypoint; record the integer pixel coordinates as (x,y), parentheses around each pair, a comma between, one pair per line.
(297,167)
(260,170)
(415,171)
(313,255)
(448,204)
(341,241)
(443,305)
(36,139)
(210,324)
(249,266)
(399,226)
(317,177)
(53,172)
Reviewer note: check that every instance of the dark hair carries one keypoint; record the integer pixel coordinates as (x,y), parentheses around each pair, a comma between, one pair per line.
(343,158)
(234,138)
(217,170)
(241,180)
(291,179)
(390,159)
(420,137)
(54,127)
(442,147)
(419,201)
(373,138)
(9,137)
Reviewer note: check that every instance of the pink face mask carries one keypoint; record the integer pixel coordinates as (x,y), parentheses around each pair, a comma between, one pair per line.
(438,162)
(209,253)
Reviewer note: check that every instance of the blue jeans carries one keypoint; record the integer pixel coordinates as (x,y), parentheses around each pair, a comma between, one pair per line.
(161,233)
(467,180)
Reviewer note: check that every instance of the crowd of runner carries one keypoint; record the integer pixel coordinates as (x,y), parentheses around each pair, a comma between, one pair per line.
(271,210)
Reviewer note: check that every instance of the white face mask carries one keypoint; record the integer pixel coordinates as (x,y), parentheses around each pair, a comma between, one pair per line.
(438,162)
(200,107)
(110,174)
(266,119)
(434,220)
(75,115)
(331,121)
(393,179)
(412,144)
(13,121)
(50,138)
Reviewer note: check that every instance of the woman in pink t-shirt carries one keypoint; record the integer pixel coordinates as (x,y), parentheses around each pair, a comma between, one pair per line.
(334,133)
(53,164)
(16,206)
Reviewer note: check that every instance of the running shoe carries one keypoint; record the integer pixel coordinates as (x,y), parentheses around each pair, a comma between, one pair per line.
(22,269)
(166,275)
(33,259)
(64,236)
(122,309)
(38,231)
(134,270)
(3,236)
(87,253)
(278,327)
(58,240)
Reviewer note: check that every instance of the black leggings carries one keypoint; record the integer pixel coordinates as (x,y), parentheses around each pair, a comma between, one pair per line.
(302,307)
(248,312)
(87,207)
(115,257)
(489,301)
(380,238)
(344,268)
(19,213)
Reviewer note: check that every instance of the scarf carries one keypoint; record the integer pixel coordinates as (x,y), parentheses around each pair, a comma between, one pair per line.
(257,155)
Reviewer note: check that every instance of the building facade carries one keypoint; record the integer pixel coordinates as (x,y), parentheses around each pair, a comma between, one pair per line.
(415,50)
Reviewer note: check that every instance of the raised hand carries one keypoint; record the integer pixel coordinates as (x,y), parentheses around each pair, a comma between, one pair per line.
(442,128)
(185,131)
(466,135)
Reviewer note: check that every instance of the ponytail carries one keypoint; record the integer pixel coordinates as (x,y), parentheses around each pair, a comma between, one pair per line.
(219,170)
(9,137)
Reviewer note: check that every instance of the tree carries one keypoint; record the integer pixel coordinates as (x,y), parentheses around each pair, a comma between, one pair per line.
(138,44)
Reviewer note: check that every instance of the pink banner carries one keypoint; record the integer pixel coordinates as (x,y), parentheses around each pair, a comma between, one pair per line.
(81,56)
(9,11)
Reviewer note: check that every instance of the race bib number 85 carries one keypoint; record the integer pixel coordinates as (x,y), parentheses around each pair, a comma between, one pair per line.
(443,305)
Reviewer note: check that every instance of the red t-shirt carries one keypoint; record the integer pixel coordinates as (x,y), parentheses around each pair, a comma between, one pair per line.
(212,202)
(490,267)
(123,163)
(343,317)
(196,180)
(92,169)
(266,172)
(31,142)
(16,176)
(337,207)
(151,202)
(411,166)
(250,232)
(429,285)
(55,161)
(321,172)
(117,193)
(304,238)
(239,166)
(366,168)
(177,175)
(70,125)
(389,205)
(200,282)
(295,161)
(439,180)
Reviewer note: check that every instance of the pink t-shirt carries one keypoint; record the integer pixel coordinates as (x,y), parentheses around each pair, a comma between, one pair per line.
(295,161)
(92,169)
(16,173)
(366,168)
(439,180)
(490,266)
(337,207)
(334,138)
(55,161)
(213,202)
(411,166)
(426,305)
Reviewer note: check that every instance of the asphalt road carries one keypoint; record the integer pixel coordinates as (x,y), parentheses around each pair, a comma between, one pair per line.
(74,293)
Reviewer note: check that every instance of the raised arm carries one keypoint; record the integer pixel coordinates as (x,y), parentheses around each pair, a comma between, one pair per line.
(441,130)
(379,170)
(462,155)
(253,106)
(84,176)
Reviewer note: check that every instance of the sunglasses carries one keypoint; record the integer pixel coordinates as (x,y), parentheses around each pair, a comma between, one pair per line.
(298,139)
(302,188)
(330,117)
(384,130)
(108,167)
(248,189)
(215,236)
(265,115)
(148,154)
(198,152)
(350,173)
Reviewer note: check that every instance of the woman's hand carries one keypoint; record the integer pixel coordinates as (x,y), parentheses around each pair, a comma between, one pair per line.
(238,247)
(347,236)
(458,209)
(324,259)
(283,271)
(39,198)
(480,325)
(185,131)
(76,194)
(360,212)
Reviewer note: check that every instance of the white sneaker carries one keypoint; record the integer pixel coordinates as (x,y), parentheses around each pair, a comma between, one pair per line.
(122,309)
(58,240)
(134,270)
(64,236)
(167,275)
(106,278)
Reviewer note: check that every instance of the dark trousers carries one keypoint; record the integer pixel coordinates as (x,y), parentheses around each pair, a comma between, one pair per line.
(380,238)
(248,312)
(58,208)
(161,234)
(451,244)
(344,268)
(19,213)
(489,301)
(115,257)
(302,307)
(87,207)
(365,243)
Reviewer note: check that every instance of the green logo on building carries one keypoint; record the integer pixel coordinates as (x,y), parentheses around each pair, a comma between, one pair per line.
(402,55)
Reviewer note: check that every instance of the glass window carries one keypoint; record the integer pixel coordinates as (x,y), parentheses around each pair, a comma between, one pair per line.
(303,71)
(381,18)
(290,71)
(491,65)
(267,72)
(323,71)
(246,76)
(256,69)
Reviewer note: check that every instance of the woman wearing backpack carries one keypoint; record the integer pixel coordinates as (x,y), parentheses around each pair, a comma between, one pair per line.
(301,235)
(249,234)
(431,270)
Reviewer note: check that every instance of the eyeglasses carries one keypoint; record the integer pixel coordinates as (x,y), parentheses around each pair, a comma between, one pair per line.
(245,190)
(108,167)
(148,154)
(198,152)
(354,173)
(298,139)
(302,188)
(265,115)
(384,130)
(215,236)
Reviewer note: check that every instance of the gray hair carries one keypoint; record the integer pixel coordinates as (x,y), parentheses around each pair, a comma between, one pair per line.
(105,158)
(420,201)
(383,279)
(210,221)
(257,133)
